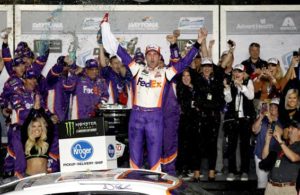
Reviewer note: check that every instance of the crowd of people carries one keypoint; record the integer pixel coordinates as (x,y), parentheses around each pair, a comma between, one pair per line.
(178,110)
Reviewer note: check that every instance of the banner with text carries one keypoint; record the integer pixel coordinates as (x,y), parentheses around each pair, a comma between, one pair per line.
(276,28)
(72,29)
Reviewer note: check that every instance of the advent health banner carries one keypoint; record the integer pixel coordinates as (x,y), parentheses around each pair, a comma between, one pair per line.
(276,28)
(74,28)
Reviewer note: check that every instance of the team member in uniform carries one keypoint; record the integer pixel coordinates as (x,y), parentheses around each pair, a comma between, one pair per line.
(89,91)
(146,116)
(58,101)
(21,105)
(171,115)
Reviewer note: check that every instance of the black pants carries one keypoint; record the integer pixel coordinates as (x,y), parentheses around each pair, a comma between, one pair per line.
(207,139)
(238,128)
(188,140)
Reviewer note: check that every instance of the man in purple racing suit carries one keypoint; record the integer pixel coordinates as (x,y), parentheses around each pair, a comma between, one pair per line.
(89,91)
(146,118)
(171,115)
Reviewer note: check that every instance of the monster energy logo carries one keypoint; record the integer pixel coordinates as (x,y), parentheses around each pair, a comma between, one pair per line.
(70,127)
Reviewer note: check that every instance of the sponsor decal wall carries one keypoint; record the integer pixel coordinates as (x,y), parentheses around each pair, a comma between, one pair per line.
(71,29)
(275,28)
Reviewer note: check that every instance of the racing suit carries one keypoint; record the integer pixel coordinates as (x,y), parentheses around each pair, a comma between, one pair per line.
(117,85)
(146,116)
(87,94)
(171,114)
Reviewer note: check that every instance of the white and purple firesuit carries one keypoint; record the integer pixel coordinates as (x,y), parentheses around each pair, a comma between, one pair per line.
(146,119)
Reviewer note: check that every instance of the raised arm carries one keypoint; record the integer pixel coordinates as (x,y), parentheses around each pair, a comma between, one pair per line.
(174,49)
(101,56)
(6,56)
(291,155)
(187,60)
(204,49)
(290,74)
(228,59)
(210,48)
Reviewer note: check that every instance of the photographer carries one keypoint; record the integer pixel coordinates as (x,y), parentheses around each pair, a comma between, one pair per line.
(282,177)
(267,119)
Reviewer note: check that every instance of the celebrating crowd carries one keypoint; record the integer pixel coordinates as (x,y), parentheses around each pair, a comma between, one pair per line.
(178,110)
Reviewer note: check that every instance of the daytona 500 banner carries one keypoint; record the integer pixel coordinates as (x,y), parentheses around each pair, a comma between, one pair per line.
(73,29)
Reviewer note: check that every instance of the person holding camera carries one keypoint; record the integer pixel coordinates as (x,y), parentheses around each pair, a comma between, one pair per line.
(267,120)
(238,120)
(270,83)
(294,81)
(254,63)
(282,177)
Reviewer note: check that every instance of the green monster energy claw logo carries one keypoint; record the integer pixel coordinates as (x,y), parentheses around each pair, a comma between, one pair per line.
(70,127)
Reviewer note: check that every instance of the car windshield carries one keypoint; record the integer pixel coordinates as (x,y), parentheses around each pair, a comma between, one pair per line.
(8,187)
(99,193)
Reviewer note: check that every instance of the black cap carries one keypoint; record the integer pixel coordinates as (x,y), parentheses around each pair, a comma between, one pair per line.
(295,124)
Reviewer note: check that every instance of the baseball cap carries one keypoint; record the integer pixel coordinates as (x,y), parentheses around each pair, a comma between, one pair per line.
(273,61)
(18,61)
(206,62)
(22,45)
(189,44)
(60,60)
(239,67)
(28,54)
(295,123)
(91,63)
(153,47)
(29,74)
(139,57)
(275,101)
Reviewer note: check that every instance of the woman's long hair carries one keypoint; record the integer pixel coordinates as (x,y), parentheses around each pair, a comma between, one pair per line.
(278,74)
(289,92)
(40,144)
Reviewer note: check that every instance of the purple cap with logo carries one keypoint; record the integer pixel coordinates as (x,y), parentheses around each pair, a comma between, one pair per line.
(18,61)
(91,63)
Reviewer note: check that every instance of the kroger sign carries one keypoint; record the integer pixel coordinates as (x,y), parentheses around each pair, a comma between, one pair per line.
(82,150)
